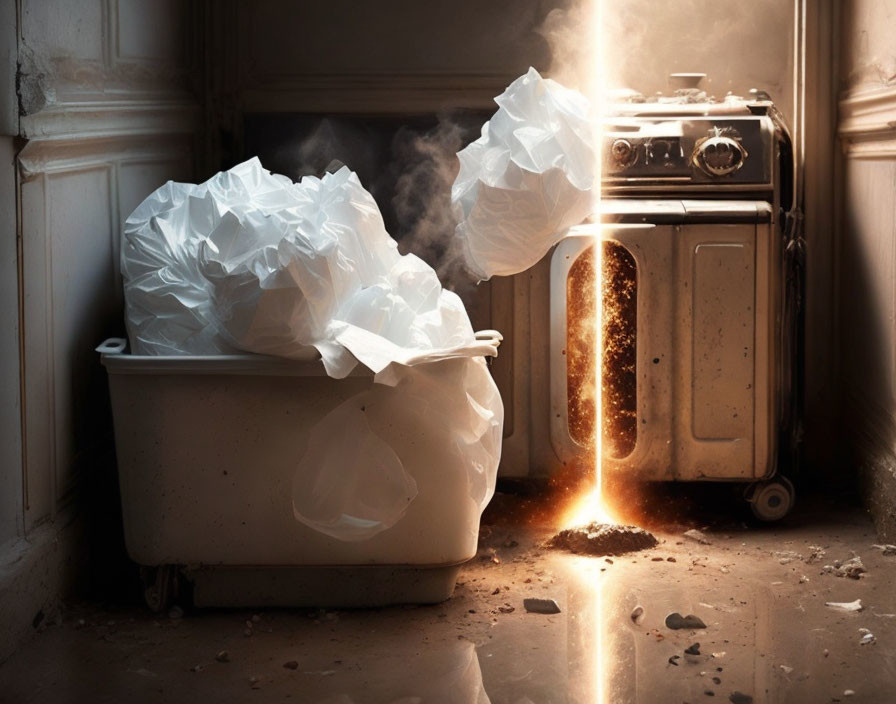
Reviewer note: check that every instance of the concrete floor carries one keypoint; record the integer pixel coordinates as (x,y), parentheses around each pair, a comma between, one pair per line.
(760,591)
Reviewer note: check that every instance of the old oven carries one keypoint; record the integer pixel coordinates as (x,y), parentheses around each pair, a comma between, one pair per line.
(700,297)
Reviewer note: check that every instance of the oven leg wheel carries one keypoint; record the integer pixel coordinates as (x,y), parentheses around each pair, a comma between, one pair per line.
(159,586)
(772,500)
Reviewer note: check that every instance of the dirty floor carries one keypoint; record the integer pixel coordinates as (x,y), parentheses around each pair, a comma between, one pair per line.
(761,592)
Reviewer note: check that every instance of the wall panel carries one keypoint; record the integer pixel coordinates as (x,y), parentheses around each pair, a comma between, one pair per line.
(106,114)
(866,254)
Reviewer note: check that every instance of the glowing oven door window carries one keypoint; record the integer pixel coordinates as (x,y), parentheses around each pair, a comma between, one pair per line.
(620,340)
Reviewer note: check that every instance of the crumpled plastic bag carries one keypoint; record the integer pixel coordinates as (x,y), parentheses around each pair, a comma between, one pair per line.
(325,272)
(527,179)
(442,417)
(250,261)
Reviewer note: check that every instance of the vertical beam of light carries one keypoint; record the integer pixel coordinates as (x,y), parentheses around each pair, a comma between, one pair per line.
(597,90)
(591,506)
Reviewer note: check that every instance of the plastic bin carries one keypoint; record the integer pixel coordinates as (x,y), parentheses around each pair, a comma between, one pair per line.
(207,449)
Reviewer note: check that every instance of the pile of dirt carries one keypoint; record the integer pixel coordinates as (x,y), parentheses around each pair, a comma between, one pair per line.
(603,539)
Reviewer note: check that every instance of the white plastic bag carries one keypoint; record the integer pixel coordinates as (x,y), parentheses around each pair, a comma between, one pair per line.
(250,261)
(168,309)
(324,272)
(526,179)
(444,416)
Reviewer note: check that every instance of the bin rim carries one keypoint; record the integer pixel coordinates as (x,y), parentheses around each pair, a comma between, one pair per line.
(117,360)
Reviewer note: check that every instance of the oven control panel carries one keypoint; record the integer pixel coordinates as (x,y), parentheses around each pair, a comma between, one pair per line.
(699,151)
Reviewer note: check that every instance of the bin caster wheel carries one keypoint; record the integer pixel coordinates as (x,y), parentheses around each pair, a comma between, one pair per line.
(159,586)
(772,500)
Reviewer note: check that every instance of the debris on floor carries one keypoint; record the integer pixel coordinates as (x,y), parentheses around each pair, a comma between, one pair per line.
(845,605)
(696,536)
(885,550)
(637,614)
(541,606)
(603,539)
(867,637)
(852,568)
(676,621)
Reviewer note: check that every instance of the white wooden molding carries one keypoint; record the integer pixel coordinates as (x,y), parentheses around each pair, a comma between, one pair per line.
(868,113)
(109,117)
(43,156)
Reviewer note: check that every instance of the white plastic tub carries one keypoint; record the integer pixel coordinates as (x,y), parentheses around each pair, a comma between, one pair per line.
(207,449)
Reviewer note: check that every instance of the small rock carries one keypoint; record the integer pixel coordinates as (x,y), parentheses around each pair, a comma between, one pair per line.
(740,698)
(196,668)
(222,656)
(786,669)
(674,660)
(671,559)
(816,552)
(254,683)
(848,692)
(497,591)
(506,609)
(804,579)
(291,665)
(709,693)
(867,637)
(853,568)
(637,614)
(676,621)
(885,549)
(693,649)
(541,606)
(175,612)
(656,559)
(696,536)
(717,680)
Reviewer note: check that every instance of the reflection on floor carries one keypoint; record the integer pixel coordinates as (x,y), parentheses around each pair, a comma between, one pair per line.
(761,593)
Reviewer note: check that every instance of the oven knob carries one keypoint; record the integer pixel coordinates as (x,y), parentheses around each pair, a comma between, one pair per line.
(663,152)
(623,153)
(719,156)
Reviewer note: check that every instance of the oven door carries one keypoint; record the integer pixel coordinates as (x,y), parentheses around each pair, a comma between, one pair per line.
(690,373)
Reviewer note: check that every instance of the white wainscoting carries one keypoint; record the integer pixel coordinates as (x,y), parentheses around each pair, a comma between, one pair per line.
(74,197)
(107,113)
(866,260)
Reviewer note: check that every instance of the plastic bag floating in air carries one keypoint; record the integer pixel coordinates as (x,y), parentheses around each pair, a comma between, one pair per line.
(445,417)
(526,179)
